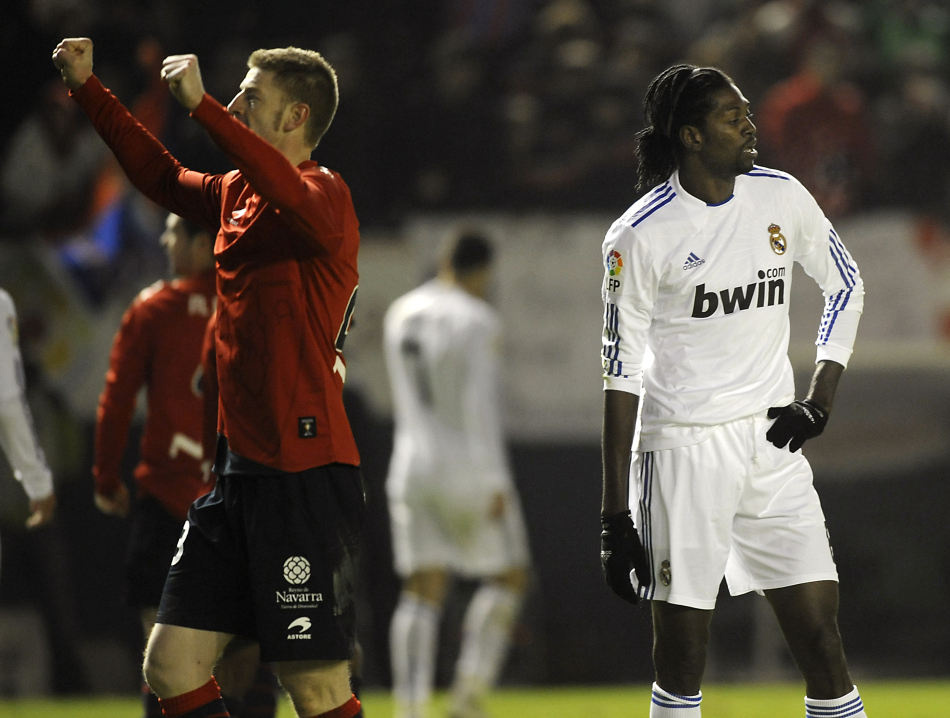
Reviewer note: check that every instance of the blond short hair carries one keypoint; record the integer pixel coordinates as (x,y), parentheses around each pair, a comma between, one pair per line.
(304,76)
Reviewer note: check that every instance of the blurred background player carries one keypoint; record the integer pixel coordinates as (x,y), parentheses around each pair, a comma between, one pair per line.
(453,504)
(159,346)
(17,437)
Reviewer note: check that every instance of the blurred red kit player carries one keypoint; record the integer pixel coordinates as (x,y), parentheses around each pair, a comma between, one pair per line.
(159,346)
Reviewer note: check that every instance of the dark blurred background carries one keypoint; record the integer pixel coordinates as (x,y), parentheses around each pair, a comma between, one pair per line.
(517,116)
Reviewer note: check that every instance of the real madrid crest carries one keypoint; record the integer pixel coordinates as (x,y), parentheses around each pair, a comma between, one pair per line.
(777,240)
(666,574)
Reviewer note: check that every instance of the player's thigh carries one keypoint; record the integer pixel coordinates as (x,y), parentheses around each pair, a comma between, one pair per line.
(687,499)
(420,539)
(496,546)
(779,533)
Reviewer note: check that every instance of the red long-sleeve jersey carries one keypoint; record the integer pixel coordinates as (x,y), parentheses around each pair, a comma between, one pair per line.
(159,346)
(286,253)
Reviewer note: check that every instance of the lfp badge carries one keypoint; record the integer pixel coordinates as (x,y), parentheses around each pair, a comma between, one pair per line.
(614,263)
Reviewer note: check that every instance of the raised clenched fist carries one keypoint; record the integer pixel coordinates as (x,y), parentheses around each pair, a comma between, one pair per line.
(73,58)
(183,76)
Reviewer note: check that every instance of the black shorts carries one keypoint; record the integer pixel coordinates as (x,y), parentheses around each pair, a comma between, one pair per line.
(153,539)
(272,558)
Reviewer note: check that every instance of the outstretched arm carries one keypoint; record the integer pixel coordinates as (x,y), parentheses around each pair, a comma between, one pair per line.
(148,165)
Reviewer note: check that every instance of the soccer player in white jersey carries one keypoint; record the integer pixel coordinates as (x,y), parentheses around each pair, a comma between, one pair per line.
(453,504)
(17,437)
(699,271)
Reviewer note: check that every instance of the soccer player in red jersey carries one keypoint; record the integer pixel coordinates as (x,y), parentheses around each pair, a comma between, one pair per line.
(269,554)
(158,345)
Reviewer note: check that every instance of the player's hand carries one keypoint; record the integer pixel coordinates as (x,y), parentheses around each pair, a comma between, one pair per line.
(184,79)
(795,424)
(620,553)
(73,58)
(42,511)
(115,505)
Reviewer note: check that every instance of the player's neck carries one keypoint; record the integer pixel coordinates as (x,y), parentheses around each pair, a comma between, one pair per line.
(701,184)
(294,150)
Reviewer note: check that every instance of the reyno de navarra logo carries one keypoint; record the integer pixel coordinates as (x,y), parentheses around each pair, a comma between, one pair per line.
(297,573)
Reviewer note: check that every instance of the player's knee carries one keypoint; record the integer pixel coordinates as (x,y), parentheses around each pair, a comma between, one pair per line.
(515,580)
(430,585)
(822,644)
(157,671)
(680,665)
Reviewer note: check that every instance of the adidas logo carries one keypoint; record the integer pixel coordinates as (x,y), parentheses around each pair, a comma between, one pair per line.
(692,261)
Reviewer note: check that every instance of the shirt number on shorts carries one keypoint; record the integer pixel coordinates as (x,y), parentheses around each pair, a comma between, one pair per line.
(181,543)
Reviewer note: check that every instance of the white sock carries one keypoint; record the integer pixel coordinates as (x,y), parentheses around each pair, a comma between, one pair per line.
(670,705)
(412,645)
(486,634)
(848,706)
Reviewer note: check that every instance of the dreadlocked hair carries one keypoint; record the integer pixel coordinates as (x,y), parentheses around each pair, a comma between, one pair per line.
(680,95)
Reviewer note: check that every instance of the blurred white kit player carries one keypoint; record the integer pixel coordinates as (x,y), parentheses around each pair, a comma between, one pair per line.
(17,436)
(454,507)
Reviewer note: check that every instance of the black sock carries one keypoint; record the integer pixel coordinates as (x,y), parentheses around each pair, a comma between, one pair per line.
(150,703)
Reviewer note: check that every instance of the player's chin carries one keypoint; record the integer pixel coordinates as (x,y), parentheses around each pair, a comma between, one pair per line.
(747,161)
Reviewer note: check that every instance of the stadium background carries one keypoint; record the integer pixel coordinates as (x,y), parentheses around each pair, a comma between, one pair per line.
(517,116)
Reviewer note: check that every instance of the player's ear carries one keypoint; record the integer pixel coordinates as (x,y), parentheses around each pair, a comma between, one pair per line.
(298,116)
(691,138)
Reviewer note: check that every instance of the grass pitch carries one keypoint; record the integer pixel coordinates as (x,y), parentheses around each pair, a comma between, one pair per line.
(904,699)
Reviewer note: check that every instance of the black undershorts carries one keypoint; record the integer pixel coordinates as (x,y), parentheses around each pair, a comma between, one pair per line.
(272,558)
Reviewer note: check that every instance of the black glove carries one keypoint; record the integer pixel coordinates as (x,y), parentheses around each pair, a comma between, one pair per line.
(621,551)
(798,422)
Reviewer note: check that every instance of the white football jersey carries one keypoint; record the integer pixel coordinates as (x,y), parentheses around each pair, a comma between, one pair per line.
(706,289)
(443,354)
(17,437)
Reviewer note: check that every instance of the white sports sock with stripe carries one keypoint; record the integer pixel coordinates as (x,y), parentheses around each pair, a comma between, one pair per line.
(412,645)
(670,705)
(848,706)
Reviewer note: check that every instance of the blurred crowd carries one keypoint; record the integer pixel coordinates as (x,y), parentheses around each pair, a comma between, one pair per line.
(497,105)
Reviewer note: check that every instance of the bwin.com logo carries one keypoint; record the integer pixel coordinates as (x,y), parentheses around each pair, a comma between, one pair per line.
(297,570)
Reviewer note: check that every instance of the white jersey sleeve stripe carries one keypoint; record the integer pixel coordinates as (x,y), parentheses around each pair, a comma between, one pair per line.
(612,364)
(655,206)
(831,316)
(844,257)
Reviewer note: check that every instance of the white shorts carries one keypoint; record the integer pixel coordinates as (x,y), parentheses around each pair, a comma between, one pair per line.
(733,505)
(430,531)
